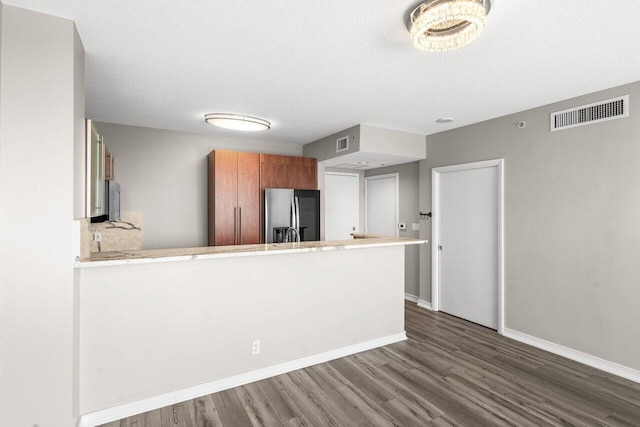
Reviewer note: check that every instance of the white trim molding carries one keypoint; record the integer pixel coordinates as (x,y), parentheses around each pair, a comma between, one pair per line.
(138,407)
(575,355)
(425,304)
(435,230)
(410,297)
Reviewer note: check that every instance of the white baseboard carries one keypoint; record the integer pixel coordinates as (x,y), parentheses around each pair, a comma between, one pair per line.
(578,356)
(138,407)
(410,297)
(425,304)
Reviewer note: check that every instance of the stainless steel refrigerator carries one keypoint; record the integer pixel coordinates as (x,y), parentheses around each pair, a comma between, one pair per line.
(291,215)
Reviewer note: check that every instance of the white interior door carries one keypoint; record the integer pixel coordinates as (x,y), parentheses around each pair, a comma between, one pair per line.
(341,205)
(469,224)
(381,204)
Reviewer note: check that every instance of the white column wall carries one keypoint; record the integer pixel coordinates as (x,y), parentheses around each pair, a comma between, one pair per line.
(39,104)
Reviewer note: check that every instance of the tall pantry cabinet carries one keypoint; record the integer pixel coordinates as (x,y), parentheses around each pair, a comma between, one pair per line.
(234,198)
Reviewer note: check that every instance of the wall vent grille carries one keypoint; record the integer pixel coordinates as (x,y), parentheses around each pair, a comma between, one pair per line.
(342,144)
(611,109)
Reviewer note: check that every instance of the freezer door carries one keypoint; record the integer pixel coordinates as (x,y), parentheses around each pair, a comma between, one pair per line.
(277,213)
(308,204)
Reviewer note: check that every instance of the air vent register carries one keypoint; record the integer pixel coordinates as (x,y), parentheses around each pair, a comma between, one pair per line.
(611,109)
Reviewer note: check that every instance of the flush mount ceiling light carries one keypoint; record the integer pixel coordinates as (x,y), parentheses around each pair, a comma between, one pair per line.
(440,25)
(237,122)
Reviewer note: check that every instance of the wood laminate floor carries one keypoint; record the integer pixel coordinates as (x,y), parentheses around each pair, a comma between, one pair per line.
(449,372)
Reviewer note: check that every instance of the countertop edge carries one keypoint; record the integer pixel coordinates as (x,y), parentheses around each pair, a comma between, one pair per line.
(274,251)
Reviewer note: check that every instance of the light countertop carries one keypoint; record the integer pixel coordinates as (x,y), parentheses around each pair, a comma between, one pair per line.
(188,254)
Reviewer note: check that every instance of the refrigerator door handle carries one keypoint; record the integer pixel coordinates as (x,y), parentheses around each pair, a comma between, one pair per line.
(292,222)
(239,226)
(297,219)
(267,206)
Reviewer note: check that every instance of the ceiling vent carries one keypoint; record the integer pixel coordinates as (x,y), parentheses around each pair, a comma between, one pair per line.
(342,144)
(611,109)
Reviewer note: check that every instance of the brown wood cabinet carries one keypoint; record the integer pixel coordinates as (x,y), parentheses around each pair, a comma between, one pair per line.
(288,172)
(109,165)
(234,198)
(236,183)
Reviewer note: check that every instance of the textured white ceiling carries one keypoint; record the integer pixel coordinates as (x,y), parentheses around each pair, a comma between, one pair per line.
(314,68)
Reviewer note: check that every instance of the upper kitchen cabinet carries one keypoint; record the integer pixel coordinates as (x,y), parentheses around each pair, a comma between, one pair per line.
(288,172)
(100,169)
(96,171)
(234,198)
(109,165)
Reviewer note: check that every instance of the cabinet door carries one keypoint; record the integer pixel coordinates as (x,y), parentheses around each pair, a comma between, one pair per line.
(288,172)
(306,174)
(275,171)
(107,164)
(96,172)
(248,198)
(223,192)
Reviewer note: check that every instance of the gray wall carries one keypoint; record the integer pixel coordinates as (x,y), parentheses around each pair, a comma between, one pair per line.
(42,106)
(409,213)
(163,175)
(572,228)
(325,148)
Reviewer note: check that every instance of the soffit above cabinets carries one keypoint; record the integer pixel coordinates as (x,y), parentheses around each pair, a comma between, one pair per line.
(369,147)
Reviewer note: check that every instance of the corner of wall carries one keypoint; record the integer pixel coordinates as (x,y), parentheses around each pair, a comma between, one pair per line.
(78,123)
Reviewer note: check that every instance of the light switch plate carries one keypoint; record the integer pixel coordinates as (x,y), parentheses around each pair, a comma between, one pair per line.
(415,226)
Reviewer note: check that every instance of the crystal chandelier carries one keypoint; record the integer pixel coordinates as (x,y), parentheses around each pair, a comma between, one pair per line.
(440,25)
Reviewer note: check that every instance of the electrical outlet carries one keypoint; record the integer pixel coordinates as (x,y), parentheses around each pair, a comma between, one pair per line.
(97,237)
(415,226)
(402,226)
(255,347)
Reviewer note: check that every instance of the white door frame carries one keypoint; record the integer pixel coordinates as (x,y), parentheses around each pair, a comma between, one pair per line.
(396,176)
(435,231)
(357,175)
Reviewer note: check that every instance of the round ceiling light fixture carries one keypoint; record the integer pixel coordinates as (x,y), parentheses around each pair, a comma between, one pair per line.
(237,122)
(441,25)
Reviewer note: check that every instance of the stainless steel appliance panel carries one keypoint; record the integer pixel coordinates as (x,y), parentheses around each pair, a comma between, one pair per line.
(277,213)
(113,200)
(308,218)
(291,215)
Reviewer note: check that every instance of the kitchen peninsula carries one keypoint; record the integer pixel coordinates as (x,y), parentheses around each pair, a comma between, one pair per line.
(173,324)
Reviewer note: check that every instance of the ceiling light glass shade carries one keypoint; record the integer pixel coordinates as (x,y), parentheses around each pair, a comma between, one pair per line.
(237,122)
(440,25)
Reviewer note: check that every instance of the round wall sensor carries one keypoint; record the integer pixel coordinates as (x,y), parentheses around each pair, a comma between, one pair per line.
(445,120)
(521,124)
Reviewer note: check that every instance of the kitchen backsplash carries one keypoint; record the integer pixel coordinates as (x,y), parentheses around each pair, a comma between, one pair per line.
(118,235)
